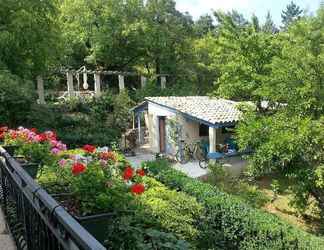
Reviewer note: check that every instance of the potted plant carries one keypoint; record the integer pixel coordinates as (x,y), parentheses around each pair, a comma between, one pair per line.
(101,183)
(33,149)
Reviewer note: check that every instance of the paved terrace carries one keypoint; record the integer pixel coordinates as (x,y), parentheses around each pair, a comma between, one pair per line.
(6,242)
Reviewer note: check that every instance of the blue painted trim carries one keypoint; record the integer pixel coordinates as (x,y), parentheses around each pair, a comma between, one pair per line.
(140,108)
(193,118)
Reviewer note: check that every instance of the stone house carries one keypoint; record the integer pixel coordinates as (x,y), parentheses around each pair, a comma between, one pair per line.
(168,120)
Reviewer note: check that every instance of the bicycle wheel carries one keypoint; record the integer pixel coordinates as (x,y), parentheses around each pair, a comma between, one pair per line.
(178,156)
(182,159)
(203,163)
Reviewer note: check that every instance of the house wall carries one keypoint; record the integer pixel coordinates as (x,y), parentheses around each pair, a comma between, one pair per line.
(190,129)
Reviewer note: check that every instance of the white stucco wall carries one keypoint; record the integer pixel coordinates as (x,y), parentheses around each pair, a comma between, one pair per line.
(190,129)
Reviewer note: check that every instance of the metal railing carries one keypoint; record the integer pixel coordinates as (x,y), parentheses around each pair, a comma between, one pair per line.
(35,220)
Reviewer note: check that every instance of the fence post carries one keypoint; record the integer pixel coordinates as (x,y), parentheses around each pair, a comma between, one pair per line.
(163,82)
(69,78)
(40,90)
(121,82)
(143,81)
(97,87)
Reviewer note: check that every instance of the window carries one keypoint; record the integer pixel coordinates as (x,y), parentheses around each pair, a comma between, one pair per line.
(203,130)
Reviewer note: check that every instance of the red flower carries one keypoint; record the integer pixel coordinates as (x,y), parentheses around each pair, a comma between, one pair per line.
(78,168)
(108,156)
(3,129)
(13,135)
(140,172)
(42,137)
(128,173)
(89,148)
(33,130)
(138,188)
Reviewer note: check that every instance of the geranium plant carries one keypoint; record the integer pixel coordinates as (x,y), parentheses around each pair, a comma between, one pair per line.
(35,147)
(100,181)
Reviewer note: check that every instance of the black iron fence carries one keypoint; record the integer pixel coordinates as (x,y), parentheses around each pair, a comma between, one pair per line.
(35,220)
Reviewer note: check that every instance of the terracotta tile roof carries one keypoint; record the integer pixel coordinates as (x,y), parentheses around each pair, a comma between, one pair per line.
(212,110)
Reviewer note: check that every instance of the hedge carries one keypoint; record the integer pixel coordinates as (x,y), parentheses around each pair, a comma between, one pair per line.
(228,223)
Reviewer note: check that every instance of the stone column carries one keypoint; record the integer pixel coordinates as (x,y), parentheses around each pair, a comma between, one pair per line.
(121,82)
(97,82)
(143,81)
(69,77)
(212,139)
(163,82)
(40,90)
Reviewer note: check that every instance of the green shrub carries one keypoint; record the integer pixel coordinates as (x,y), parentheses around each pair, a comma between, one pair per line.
(130,233)
(16,98)
(175,211)
(231,224)
(92,121)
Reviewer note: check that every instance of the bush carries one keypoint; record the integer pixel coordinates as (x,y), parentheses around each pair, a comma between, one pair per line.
(16,99)
(162,219)
(231,224)
(176,212)
(136,235)
(85,121)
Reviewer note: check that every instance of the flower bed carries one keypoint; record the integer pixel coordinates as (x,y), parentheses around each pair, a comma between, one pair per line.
(100,188)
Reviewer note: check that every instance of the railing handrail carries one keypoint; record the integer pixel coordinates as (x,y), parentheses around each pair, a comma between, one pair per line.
(78,236)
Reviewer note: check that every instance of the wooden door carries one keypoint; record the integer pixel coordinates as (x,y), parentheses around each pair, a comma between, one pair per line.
(162,133)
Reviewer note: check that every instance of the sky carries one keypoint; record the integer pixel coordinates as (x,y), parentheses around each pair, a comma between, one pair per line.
(247,7)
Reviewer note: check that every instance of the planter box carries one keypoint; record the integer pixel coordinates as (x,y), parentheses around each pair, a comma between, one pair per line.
(10,149)
(96,224)
(31,168)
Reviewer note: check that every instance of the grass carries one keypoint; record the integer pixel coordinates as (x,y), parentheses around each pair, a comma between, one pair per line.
(259,194)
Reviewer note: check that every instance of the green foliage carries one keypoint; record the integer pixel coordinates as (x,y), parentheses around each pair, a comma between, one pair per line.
(29,38)
(94,194)
(136,235)
(175,211)
(222,179)
(290,15)
(77,122)
(231,224)
(15,99)
(37,153)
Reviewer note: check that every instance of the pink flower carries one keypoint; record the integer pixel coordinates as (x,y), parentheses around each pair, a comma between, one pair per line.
(53,143)
(103,163)
(62,162)
(55,151)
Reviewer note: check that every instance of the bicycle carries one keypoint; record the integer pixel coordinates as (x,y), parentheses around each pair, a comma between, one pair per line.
(189,151)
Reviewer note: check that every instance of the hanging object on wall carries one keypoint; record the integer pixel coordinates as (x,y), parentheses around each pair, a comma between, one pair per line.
(85,80)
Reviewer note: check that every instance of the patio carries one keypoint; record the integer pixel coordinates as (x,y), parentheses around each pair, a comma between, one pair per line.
(235,164)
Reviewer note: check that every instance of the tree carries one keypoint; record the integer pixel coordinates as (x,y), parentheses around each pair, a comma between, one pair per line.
(290,15)
(29,36)
(269,26)
(243,55)
(204,25)
(288,138)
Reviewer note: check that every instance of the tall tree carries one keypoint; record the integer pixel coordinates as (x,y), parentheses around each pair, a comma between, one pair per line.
(269,26)
(204,25)
(29,36)
(243,55)
(288,139)
(291,14)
